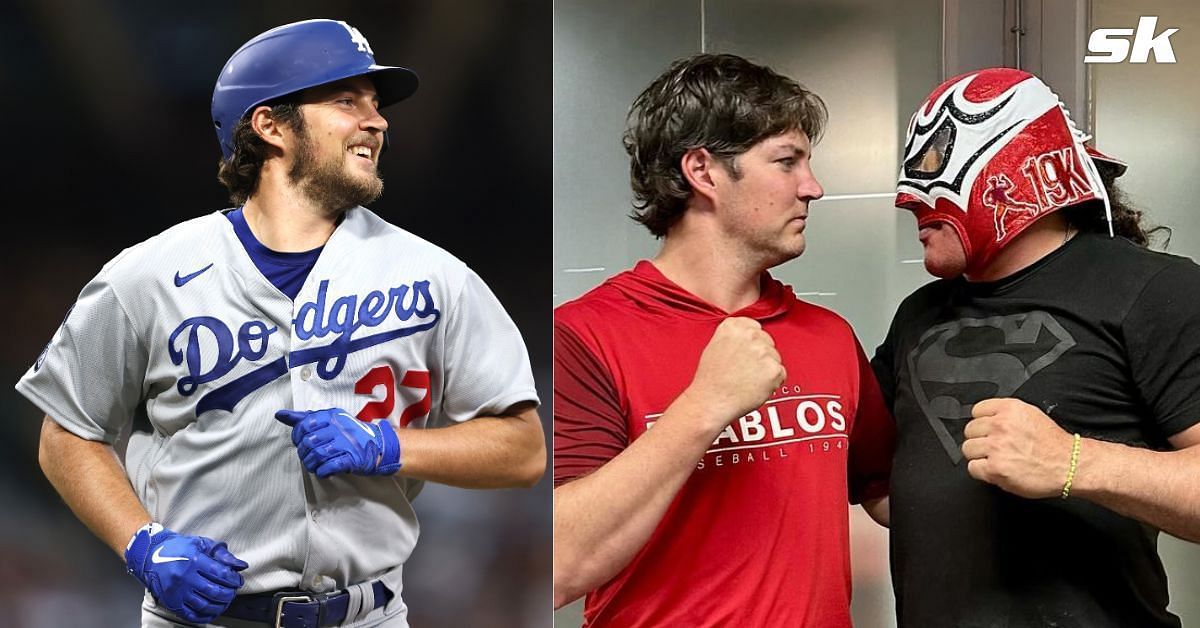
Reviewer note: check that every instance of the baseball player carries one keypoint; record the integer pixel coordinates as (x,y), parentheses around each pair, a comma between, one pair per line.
(284,351)
(709,426)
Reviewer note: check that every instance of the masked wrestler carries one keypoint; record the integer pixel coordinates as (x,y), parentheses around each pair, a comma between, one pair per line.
(1046,388)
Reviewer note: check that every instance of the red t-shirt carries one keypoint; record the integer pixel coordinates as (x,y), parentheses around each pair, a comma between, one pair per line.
(759,534)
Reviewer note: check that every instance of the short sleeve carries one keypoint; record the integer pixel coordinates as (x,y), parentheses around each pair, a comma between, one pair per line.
(1162,334)
(589,427)
(883,365)
(486,364)
(90,376)
(872,440)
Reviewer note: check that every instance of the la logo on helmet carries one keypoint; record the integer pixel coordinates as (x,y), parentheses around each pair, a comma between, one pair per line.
(357,38)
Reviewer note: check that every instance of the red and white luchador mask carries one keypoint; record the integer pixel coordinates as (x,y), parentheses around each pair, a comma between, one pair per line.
(990,152)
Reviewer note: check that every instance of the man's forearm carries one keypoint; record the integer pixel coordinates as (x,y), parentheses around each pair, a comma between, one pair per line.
(1156,487)
(90,479)
(603,519)
(485,452)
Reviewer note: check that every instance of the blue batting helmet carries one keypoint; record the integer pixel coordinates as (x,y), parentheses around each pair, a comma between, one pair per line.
(293,57)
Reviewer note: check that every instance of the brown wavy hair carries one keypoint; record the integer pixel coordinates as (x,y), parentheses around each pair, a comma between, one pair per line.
(1128,221)
(720,102)
(239,174)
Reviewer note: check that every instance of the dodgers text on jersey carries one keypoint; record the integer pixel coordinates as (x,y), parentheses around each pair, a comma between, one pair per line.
(319,319)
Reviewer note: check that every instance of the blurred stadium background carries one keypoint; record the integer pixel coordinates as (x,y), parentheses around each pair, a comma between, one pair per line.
(107,140)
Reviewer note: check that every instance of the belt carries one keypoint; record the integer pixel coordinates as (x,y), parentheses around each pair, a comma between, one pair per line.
(299,609)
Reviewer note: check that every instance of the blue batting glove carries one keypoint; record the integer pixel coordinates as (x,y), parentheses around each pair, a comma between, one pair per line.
(192,576)
(332,441)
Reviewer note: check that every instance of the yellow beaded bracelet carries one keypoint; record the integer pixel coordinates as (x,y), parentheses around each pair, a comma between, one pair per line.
(1074,465)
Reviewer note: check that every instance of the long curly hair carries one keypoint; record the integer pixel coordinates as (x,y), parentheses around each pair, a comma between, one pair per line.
(1128,221)
(239,174)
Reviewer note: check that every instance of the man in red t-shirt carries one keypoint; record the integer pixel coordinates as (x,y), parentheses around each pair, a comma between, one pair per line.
(709,426)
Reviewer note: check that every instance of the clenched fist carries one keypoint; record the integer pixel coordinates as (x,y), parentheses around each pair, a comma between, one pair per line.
(1017,447)
(331,441)
(738,370)
(192,576)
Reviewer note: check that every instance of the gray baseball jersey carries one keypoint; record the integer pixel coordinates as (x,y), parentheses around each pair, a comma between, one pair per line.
(387,325)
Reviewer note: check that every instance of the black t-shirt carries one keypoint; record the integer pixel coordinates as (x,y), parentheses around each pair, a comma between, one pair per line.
(1104,337)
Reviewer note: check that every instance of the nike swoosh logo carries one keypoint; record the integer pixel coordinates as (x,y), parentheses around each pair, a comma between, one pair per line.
(157,556)
(179,281)
(362,424)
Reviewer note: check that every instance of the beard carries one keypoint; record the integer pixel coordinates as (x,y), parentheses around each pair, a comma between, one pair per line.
(327,183)
(770,251)
(766,247)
